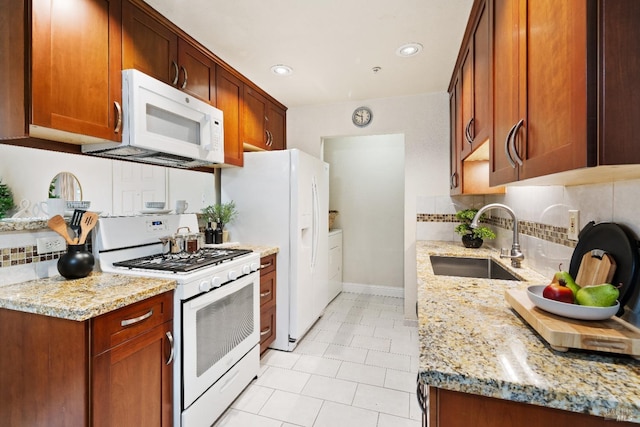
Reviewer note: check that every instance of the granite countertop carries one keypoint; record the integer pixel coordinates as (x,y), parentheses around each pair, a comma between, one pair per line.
(471,341)
(81,299)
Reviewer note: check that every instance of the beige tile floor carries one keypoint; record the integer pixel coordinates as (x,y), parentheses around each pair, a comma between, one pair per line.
(355,368)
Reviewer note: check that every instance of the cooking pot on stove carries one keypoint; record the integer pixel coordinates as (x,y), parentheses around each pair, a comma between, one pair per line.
(178,240)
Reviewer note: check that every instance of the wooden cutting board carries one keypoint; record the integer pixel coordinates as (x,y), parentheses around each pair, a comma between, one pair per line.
(612,335)
(596,267)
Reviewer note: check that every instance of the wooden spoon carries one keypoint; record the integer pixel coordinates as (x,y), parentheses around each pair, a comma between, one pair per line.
(89,220)
(59,225)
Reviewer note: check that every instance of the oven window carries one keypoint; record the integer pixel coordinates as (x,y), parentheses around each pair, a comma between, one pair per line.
(222,325)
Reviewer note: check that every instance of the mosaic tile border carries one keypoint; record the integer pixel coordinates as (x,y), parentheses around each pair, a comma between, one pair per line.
(10,257)
(538,230)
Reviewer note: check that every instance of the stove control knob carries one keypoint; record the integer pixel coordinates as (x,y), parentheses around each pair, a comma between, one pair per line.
(246,269)
(216,282)
(233,275)
(255,266)
(205,286)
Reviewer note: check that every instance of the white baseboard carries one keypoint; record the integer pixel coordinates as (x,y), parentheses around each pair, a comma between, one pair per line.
(385,291)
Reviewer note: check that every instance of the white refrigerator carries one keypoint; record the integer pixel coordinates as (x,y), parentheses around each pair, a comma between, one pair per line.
(282,198)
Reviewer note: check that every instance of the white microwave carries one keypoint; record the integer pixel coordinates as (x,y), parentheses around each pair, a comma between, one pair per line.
(165,126)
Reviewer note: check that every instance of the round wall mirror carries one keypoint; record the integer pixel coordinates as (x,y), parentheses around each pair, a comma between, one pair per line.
(65,186)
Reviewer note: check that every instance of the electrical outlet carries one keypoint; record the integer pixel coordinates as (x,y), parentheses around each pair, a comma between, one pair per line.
(574,225)
(51,244)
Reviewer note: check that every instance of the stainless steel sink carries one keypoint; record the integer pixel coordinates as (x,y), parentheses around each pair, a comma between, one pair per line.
(482,268)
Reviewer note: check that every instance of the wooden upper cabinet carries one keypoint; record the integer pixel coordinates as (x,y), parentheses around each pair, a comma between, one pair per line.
(620,89)
(455,178)
(155,49)
(229,90)
(197,72)
(148,45)
(75,68)
(276,126)
(254,126)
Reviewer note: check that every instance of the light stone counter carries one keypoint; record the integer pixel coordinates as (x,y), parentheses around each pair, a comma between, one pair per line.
(81,299)
(471,341)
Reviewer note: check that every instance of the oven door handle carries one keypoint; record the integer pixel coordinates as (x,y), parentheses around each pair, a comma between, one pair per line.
(170,338)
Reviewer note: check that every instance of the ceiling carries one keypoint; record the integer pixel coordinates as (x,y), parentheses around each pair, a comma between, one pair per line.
(332,45)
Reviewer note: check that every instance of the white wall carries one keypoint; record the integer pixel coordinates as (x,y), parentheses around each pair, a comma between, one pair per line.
(424,121)
(29,171)
(370,206)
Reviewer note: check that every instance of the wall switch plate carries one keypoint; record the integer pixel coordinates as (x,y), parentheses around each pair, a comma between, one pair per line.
(51,244)
(574,225)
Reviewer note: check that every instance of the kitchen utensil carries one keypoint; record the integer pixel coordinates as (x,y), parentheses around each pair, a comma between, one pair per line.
(596,267)
(58,224)
(612,335)
(89,220)
(75,223)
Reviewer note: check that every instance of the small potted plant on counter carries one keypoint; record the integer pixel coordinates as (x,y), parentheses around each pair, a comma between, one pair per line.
(221,214)
(472,237)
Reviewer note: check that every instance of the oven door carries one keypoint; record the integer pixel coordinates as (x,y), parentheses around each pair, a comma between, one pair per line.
(218,329)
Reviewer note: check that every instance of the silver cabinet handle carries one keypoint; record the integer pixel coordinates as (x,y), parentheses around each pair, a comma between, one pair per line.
(265,332)
(507,141)
(129,322)
(451,186)
(467,131)
(454,180)
(118,117)
(265,294)
(170,338)
(177,73)
(186,77)
(518,159)
(269,264)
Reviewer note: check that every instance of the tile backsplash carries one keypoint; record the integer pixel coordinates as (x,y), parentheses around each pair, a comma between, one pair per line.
(542,213)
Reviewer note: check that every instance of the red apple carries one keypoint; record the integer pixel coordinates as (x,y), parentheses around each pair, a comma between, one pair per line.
(558,292)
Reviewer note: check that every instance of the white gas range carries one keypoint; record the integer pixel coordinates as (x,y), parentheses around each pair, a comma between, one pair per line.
(216,309)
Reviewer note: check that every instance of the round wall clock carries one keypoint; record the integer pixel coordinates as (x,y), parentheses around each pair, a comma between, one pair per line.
(362,116)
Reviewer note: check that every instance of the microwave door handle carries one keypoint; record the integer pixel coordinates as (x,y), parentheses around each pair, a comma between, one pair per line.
(205,121)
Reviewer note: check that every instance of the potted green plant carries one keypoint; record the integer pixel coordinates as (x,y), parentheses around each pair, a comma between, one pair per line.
(6,199)
(221,214)
(472,237)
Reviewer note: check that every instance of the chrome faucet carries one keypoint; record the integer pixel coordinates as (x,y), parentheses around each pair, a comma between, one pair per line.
(516,255)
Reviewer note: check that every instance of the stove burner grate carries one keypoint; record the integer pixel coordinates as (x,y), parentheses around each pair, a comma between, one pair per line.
(183,262)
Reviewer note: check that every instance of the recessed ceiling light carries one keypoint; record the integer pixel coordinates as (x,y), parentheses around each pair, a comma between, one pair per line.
(281,70)
(409,49)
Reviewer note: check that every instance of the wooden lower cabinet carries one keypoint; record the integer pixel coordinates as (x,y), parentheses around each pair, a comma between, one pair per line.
(267,301)
(58,372)
(456,409)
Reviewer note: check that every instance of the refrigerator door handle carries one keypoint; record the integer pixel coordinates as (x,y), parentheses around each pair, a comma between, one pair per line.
(316,223)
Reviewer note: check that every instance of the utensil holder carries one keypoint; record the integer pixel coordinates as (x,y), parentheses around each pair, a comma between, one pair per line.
(76,263)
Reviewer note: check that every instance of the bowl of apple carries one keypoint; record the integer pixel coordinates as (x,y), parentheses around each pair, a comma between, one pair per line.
(565,298)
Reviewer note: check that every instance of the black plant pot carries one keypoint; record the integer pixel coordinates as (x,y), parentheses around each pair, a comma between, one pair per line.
(471,242)
(76,263)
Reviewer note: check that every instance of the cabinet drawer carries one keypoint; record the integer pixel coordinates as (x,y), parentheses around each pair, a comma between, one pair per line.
(267,264)
(120,325)
(267,328)
(268,290)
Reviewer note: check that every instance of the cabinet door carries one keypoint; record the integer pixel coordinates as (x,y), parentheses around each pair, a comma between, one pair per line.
(504,27)
(554,85)
(148,45)
(132,382)
(620,34)
(229,91)
(455,180)
(276,125)
(197,72)
(75,64)
(481,126)
(466,102)
(254,119)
